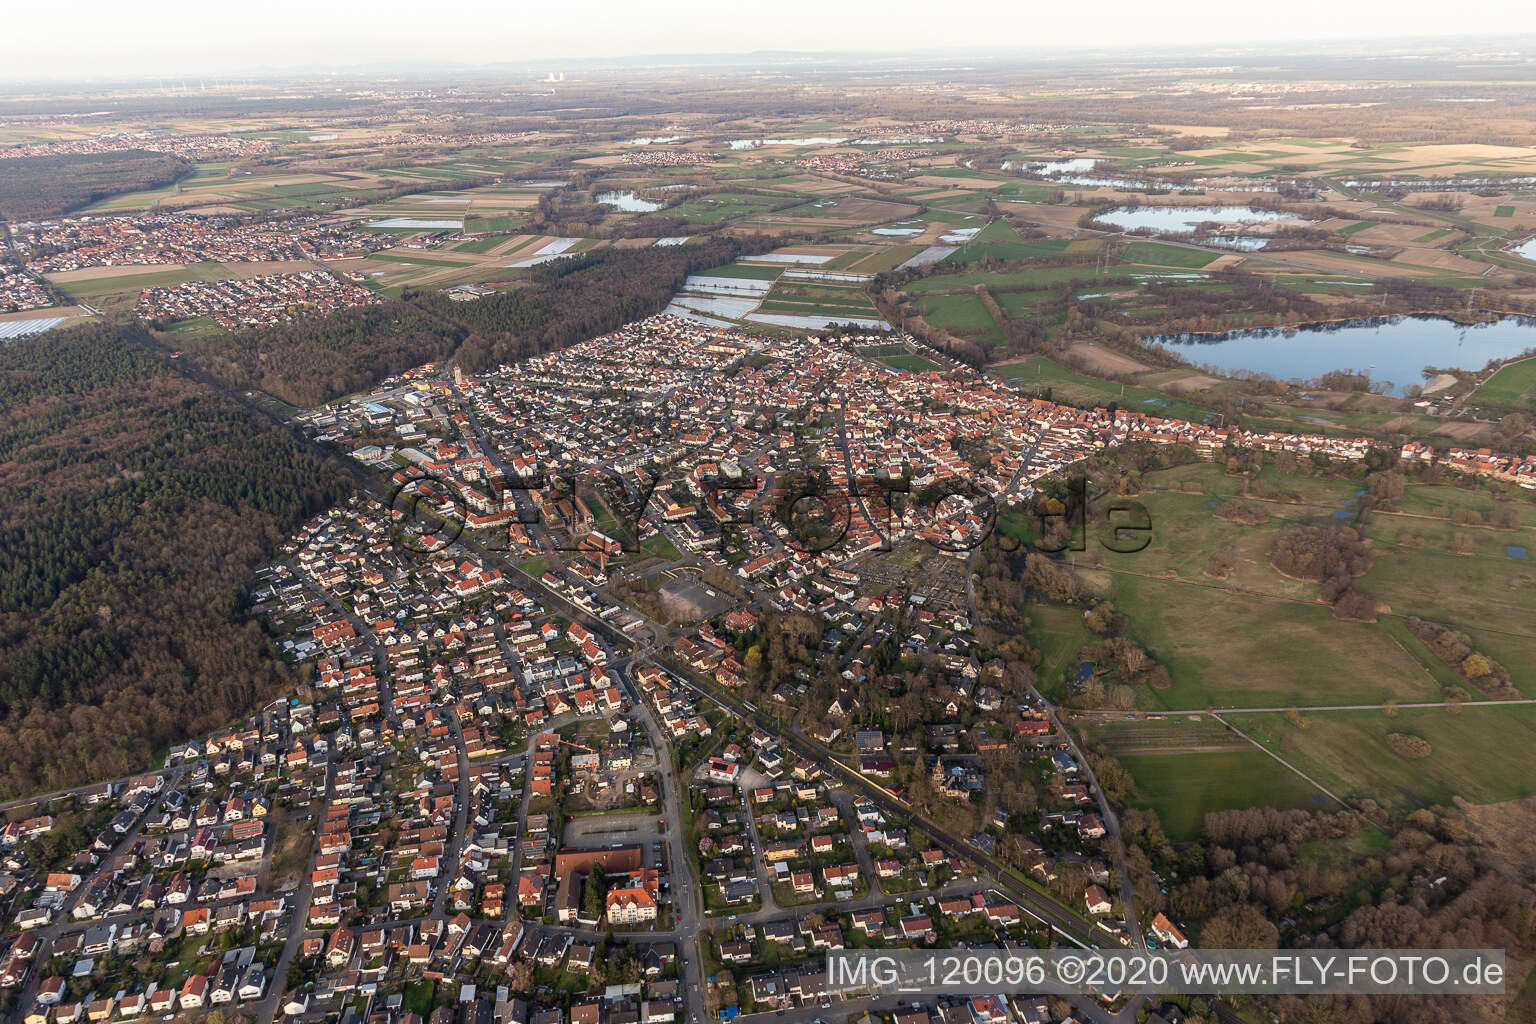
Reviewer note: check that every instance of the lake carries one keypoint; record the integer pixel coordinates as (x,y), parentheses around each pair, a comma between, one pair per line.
(1394,350)
(1183,220)
(814,140)
(1079,171)
(1052,168)
(628,202)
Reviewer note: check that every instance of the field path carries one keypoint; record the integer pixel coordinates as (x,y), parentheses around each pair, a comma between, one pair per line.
(1511,702)
(1318,785)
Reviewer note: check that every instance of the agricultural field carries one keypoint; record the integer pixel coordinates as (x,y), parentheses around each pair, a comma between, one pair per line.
(999,240)
(962,315)
(1184,788)
(1161,254)
(816,298)
(1479,754)
(1513,384)
(1036,374)
(1185,767)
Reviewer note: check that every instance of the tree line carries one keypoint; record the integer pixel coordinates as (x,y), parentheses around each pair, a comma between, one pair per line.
(33,187)
(311,360)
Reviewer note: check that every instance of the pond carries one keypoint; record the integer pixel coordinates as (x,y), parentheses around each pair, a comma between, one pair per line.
(1394,350)
(813,140)
(628,202)
(1080,171)
(1183,220)
(1052,168)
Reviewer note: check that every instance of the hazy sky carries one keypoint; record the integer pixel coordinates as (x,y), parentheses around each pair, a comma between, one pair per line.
(173,37)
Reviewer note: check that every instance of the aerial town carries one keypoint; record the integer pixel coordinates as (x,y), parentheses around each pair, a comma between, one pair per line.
(502,778)
(580,545)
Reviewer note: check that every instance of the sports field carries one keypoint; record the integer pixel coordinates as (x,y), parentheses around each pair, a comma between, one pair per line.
(910,361)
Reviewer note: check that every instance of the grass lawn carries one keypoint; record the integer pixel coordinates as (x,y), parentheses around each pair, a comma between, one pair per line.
(1513,384)
(1159,254)
(961,314)
(1058,633)
(723,206)
(660,547)
(1184,788)
(1226,649)
(1021,304)
(1490,588)
(748,271)
(1038,372)
(1479,754)
(1000,241)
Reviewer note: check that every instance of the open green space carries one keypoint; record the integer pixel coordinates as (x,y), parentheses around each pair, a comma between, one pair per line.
(1055,631)
(910,361)
(1513,384)
(1483,584)
(1481,754)
(723,206)
(1184,788)
(999,241)
(961,314)
(1019,279)
(1160,254)
(1037,373)
(1229,649)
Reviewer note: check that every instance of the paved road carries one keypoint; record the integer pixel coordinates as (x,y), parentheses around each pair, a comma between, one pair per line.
(687,892)
(1064,920)
(63,921)
(298,924)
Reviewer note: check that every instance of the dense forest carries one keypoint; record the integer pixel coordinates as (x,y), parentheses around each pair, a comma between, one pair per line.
(33,187)
(137,504)
(310,361)
(575,299)
(140,501)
